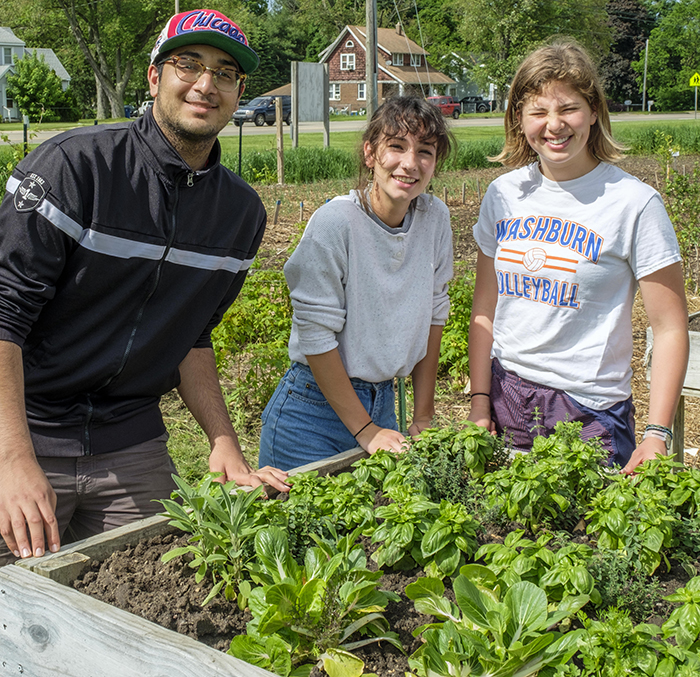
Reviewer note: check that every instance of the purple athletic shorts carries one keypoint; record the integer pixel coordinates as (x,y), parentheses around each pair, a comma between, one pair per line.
(513,404)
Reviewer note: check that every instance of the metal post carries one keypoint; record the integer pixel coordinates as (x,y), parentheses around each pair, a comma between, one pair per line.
(326,112)
(294,127)
(403,428)
(280,140)
(240,145)
(644,85)
(371,88)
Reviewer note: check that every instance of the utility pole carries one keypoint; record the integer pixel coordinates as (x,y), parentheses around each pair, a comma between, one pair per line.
(371,59)
(644,85)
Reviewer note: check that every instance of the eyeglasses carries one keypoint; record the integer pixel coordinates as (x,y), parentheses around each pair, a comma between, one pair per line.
(190,70)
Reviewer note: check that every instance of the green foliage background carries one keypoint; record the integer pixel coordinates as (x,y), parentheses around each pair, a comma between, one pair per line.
(38,93)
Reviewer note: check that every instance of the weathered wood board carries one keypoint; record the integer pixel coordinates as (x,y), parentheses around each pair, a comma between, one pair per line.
(48,629)
(691,386)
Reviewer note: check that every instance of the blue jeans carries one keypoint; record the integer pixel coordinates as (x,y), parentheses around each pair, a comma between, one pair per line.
(299,426)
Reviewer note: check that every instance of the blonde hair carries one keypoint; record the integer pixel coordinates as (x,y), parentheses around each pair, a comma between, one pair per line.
(399,116)
(562,61)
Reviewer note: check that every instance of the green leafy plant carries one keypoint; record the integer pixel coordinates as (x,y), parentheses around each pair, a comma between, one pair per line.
(625,517)
(454,347)
(560,572)
(552,484)
(223,526)
(256,326)
(374,468)
(405,521)
(345,500)
(613,646)
(442,461)
(494,630)
(684,622)
(450,539)
(312,609)
(623,583)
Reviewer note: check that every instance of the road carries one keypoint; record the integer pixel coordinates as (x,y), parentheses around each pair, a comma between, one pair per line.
(351,125)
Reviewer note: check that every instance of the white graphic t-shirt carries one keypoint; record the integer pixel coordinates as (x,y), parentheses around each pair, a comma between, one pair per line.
(567,258)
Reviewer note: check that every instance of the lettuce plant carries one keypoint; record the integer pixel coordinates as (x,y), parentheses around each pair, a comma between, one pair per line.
(312,611)
(493,630)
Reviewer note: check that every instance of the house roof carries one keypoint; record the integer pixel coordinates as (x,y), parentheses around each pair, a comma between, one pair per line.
(5,70)
(280,91)
(412,75)
(391,42)
(52,61)
(7,37)
(387,39)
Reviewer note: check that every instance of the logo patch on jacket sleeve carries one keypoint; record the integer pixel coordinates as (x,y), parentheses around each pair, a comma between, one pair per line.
(30,193)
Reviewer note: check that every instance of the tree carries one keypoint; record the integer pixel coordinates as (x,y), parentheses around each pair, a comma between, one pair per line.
(674,46)
(503,32)
(36,89)
(630,22)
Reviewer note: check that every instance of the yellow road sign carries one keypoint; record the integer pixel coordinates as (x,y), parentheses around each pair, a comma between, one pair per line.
(695,80)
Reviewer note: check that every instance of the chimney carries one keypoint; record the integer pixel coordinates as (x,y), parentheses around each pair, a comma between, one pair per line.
(398,29)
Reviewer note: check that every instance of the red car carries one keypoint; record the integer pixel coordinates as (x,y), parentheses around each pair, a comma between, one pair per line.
(447,105)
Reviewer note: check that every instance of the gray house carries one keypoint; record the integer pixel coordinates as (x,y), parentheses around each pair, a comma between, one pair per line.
(11,50)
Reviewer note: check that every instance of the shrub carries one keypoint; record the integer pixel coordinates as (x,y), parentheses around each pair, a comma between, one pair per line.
(258,324)
(454,349)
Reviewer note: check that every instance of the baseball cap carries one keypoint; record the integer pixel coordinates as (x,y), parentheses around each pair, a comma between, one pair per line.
(206,27)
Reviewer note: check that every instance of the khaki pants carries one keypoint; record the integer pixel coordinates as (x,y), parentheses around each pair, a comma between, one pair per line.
(101,492)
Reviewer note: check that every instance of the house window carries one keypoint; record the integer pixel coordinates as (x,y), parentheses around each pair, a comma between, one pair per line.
(398,59)
(334,92)
(361,96)
(349,44)
(10,103)
(7,55)
(347,62)
(416,60)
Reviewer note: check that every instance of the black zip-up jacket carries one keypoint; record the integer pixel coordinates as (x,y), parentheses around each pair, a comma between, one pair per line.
(115,261)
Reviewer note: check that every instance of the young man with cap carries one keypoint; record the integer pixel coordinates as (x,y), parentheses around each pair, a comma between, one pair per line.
(121,247)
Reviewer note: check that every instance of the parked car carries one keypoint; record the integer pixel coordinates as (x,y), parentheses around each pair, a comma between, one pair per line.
(261,110)
(475,104)
(447,105)
(141,110)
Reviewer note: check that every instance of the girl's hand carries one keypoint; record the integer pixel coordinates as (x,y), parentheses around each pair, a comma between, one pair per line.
(647,450)
(419,425)
(373,438)
(481,414)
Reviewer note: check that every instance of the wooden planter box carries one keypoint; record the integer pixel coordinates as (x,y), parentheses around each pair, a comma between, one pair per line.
(691,386)
(49,629)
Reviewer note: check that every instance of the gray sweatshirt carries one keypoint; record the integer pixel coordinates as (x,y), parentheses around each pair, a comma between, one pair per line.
(370,290)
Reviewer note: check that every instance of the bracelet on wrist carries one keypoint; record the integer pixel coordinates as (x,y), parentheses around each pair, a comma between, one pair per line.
(484,394)
(362,428)
(660,428)
(660,432)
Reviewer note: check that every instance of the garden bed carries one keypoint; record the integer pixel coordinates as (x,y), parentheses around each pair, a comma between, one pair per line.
(509,532)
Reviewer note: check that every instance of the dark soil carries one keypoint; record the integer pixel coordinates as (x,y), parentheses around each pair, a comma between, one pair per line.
(136,580)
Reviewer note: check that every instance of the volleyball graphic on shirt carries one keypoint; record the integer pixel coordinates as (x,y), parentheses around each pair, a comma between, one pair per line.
(534,259)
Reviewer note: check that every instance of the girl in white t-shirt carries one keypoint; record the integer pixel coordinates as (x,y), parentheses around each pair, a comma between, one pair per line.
(564,240)
(368,284)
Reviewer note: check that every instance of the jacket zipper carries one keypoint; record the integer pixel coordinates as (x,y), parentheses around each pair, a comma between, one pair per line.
(142,309)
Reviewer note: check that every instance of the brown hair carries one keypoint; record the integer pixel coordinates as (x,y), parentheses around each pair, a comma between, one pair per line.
(562,61)
(399,116)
